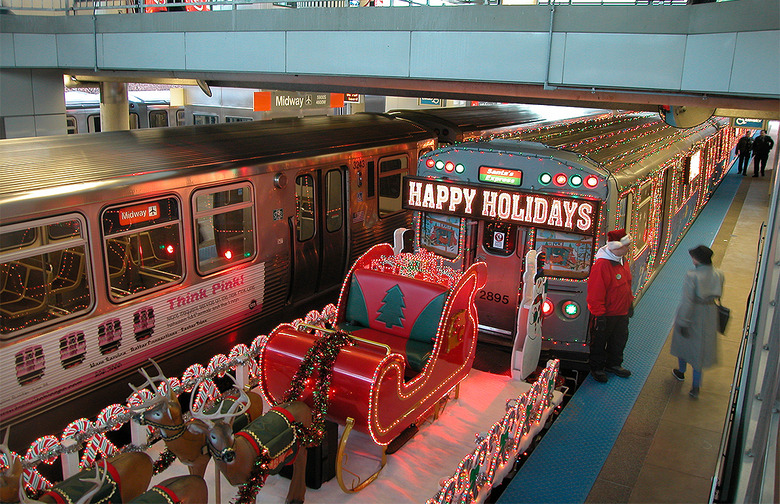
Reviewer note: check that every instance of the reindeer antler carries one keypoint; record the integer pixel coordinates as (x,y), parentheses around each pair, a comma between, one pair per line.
(241,402)
(98,481)
(9,472)
(159,394)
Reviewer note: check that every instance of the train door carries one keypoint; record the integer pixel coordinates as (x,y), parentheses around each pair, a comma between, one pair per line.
(663,222)
(319,231)
(502,247)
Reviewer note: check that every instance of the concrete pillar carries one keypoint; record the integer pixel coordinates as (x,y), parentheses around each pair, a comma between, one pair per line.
(114,108)
(32,103)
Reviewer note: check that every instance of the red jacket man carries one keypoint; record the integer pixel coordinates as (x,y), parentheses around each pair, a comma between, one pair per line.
(610,302)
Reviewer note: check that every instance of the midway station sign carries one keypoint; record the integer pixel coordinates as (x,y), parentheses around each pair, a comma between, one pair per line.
(543,210)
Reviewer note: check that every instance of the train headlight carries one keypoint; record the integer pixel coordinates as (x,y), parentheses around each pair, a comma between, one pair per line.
(591,181)
(545,178)
(570,309)
(547,307)
(575,181)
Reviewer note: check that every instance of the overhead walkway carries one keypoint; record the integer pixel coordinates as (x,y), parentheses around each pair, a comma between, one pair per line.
(719,55)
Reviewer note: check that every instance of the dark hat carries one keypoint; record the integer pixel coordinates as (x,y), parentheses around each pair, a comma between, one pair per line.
(702,253)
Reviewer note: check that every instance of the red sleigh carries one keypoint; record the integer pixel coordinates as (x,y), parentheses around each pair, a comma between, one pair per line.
(414,327)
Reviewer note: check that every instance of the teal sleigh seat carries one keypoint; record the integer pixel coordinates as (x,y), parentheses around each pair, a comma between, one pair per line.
(402,313)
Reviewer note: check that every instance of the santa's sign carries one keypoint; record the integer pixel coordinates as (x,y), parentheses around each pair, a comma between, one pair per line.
(551,211)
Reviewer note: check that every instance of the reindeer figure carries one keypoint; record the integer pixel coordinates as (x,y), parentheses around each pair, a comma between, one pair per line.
(124,477)
(180,489)
(274,435)
(164,412)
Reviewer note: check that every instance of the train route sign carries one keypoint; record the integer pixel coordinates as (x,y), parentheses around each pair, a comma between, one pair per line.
(542,210)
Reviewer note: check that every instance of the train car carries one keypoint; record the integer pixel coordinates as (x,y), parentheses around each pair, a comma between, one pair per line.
(461,124)
(148,109)
(558,189)
(209,228)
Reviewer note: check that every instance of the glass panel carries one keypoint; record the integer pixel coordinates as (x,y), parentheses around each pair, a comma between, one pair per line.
(48,282)
(440,234)
(94,123)
(204,119)
(231,119)
(391,172)
(158,118)
(142,247)
(334,212)
(567,255)
(304,207)
(135,121)
(71,125)
(225,227)
(180,118)
(499,238)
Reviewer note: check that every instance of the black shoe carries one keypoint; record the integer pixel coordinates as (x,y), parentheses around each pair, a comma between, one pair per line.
(599,376)
(677,374)
(694,392)
(618,371)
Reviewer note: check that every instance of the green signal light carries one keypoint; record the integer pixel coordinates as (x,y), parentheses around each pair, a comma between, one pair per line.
(570,309)
(575,180)
(545,178)
(439,164)
(459,168)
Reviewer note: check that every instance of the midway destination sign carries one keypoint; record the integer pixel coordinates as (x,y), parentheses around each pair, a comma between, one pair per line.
(549,211)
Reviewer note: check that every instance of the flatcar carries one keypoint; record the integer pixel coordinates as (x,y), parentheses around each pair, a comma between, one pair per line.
(558,189)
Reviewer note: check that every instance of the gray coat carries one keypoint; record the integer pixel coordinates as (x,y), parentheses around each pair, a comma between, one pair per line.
(697,312)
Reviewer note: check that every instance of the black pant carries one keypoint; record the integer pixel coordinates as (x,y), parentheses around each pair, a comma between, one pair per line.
(606,346)
(762,160)
(744,160)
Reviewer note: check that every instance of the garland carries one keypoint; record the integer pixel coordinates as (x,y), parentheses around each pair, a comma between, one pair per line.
(164,462)
(321,355)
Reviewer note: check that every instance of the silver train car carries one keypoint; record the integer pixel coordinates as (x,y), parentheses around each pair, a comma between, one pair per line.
(184,234)
(558,189)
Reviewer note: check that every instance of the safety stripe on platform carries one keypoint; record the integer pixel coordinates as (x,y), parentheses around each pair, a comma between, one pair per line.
(565,465)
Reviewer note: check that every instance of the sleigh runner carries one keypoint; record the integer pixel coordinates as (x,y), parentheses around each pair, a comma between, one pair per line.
(413,328)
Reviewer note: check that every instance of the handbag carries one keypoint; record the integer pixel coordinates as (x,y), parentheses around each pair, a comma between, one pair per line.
(723,316)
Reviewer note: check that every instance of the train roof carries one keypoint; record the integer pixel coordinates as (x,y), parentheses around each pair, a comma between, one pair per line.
(486,118)
(31,164)
(626,146)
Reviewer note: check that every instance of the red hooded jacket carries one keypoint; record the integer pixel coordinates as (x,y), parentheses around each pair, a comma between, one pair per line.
(609,287)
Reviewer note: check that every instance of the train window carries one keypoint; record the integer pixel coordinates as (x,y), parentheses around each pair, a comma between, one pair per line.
(181,118)
(642,218)
(158,118)
(334,201)
(71,125)
(621,213)
(499,238)
(198,119)
(231,119)
(135,121)
(304,207)
(567,255)
(142,247)
(440,234)
(391,173)
(93,123)
(44,274)
(225,226)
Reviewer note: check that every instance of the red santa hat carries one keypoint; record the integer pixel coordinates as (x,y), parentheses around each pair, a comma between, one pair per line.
(617,238)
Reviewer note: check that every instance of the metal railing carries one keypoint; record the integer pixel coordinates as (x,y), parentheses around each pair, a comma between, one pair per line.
(73,7)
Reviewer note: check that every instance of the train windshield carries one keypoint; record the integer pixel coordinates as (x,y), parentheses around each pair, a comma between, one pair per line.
(567,255)
(43,274)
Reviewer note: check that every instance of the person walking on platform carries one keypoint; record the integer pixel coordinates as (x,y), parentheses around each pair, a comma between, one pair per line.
(743,150)
(762,144)
(610,301)
(695,339)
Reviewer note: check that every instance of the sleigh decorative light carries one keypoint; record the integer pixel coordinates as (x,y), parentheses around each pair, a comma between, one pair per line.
(413,325)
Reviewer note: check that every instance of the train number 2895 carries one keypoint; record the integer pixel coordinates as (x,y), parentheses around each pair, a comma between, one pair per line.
(494,296)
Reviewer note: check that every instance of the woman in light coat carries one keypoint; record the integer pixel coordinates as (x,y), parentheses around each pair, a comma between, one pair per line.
(695,339)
